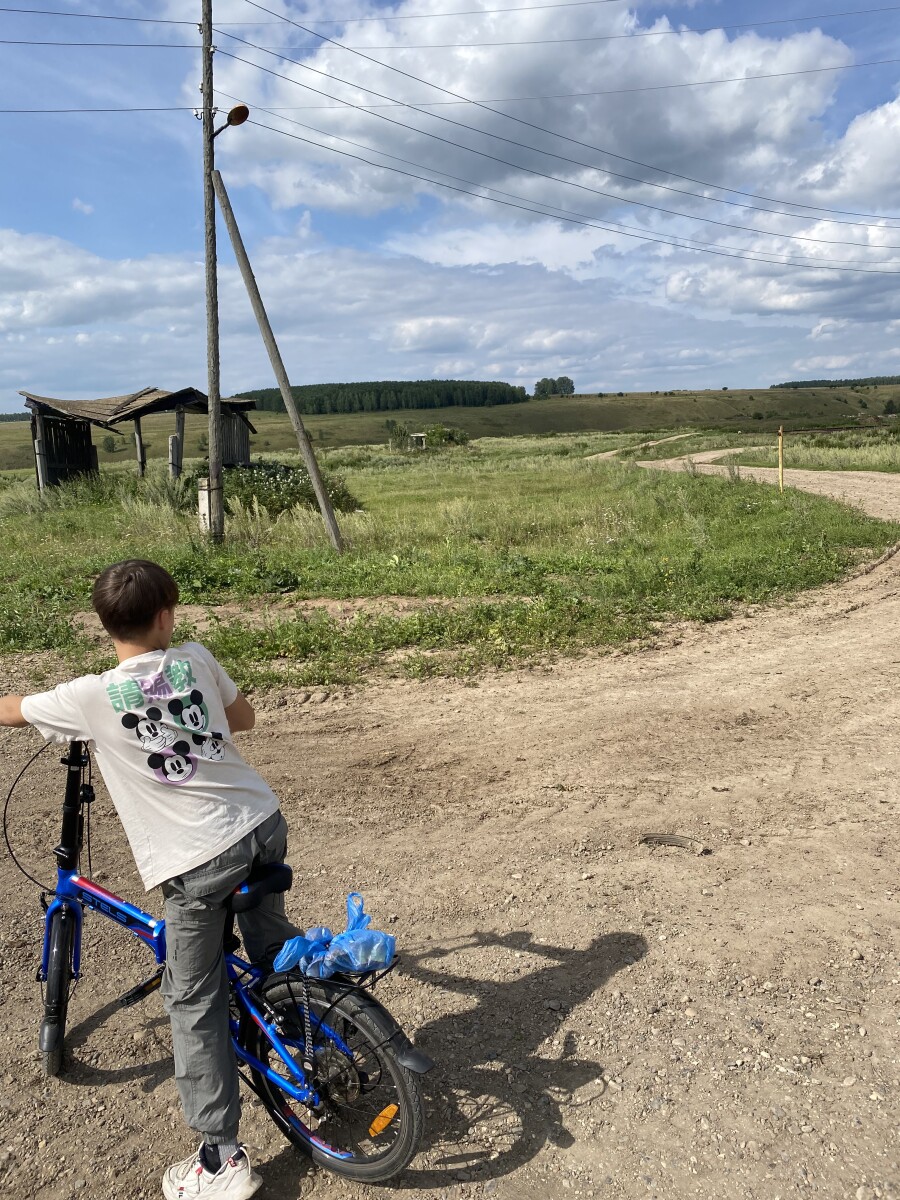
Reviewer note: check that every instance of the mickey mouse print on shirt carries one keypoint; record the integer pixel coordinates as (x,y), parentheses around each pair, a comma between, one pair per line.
(150,733)
(174,766)
(190,712)
(211,746)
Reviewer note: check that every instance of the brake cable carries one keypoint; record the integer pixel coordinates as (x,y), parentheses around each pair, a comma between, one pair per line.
(9,795)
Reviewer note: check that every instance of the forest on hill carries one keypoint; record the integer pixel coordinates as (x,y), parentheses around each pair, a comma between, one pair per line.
(869,381)
(390,395)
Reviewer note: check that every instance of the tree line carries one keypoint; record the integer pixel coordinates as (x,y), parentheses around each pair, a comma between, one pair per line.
(389,395)
(869,381)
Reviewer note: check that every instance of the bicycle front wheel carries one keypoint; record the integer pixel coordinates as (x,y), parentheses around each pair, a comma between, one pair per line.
(369,1124)
(61,939)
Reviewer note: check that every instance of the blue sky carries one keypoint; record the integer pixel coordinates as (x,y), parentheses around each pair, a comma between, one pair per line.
(371,274)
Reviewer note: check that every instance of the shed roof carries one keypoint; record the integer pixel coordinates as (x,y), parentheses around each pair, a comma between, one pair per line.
(111,410)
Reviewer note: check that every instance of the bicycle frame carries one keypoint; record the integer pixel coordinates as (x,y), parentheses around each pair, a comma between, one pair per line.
(74,893)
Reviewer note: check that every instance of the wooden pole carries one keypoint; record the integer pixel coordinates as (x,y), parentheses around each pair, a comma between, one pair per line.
(179,433)
(40,451)
(216,500)
(174,456)
(271,345)
(781,458)
(139,447)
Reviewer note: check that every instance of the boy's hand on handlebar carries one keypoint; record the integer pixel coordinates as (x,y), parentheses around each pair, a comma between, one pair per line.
(11,711)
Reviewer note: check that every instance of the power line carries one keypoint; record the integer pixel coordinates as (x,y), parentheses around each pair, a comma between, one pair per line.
(613,195)
(52,12)
(33,111)
(605,37)
(652,87)
(469,12)
(613,226)
(509,141)
(114,45)
(552,132)
(744,257)
(422,104)
(466,12)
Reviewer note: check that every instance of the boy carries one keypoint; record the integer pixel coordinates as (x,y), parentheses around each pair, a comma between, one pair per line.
(197,817)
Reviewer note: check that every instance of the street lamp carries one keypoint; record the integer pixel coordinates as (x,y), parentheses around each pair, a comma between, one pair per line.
(237,116)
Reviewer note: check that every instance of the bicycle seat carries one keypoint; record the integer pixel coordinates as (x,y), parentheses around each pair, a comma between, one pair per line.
(262,881)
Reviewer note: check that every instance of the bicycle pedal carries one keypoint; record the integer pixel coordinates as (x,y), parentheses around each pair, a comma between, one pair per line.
(142,991)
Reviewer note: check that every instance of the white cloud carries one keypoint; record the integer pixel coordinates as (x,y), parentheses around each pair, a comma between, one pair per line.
(826,329)
(833,362)
(82,207)
(74,324)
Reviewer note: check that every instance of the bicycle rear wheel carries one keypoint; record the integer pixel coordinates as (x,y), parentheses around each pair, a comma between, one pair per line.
(61,938)
(370,1122)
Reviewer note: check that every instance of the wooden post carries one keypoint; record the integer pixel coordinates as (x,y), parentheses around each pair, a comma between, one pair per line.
(174,457)
(139,447)
(179,433)
(203,504)
(271,345)
(40,451)
(781,458)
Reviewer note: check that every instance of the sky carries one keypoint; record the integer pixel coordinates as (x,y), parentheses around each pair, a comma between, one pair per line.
(557,189)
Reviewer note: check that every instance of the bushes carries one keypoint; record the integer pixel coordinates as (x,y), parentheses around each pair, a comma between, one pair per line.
(279,488)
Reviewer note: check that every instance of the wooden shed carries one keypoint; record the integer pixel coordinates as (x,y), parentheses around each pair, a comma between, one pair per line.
(61,429)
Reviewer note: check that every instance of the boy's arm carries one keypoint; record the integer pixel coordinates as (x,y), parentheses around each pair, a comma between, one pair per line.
(240,714)
(11,711)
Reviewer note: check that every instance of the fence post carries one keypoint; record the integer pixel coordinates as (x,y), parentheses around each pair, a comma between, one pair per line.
(781,458)
(40,451)
(179,433)
(203,504)
(139,447)
(174,457)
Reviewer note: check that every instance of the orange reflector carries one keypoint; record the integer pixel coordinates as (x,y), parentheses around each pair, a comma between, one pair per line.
(384,1118)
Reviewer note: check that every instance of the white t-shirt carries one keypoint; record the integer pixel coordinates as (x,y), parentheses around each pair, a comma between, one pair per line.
(157,727)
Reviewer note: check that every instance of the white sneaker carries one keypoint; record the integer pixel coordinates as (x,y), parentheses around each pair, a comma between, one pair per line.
(233,1180)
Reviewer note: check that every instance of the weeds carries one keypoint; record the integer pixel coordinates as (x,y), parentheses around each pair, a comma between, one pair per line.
(534,553)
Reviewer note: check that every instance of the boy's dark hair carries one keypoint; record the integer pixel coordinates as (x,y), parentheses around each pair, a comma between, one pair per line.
(128,595)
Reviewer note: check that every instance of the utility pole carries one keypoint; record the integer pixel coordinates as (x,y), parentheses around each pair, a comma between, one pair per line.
(216,502)
(315,475)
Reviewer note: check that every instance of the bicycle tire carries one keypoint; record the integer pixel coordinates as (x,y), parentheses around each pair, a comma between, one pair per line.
(356,1020)
(56,990)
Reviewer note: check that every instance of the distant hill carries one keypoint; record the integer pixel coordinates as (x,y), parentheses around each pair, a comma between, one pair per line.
(390,395)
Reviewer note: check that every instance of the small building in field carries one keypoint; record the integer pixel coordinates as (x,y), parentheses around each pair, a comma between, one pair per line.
(417,441)
(61,429)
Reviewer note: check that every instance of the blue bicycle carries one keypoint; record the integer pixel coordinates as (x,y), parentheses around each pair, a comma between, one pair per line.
(334,1070)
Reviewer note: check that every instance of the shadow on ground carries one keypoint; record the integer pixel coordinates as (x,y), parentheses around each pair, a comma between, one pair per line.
(494,1099)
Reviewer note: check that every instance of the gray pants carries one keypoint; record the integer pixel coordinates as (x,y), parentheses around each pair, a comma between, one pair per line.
(195,982)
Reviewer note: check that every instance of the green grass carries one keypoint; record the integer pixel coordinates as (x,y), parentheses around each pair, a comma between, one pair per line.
(516,549)
(853,450)
(697,442)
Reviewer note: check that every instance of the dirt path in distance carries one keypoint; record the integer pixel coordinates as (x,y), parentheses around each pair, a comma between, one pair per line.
(677,437)
(609,1019)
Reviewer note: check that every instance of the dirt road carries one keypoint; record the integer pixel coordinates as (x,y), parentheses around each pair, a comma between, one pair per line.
(609,1019)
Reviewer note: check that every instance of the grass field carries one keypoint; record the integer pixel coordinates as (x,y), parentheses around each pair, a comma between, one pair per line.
(513,549)
(851,450)
(747,411)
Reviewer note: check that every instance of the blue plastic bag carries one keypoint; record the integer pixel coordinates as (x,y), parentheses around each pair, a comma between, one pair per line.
(319,954)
